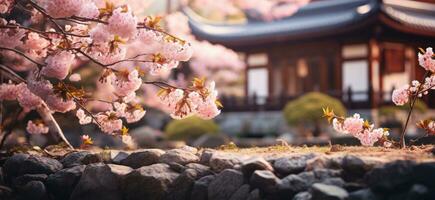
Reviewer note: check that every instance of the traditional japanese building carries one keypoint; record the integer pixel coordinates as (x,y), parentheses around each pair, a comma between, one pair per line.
(356,50)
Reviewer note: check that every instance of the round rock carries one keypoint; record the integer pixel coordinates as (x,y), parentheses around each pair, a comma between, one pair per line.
(257,163)
(179,156)
(100,181)
(199,190)
(142,158)
(73,159)
(264,180)
(61,184)
(328,192)
(40,165)
(150,181)
(225,185)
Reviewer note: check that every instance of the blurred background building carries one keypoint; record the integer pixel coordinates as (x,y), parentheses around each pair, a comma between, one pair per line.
(276,63)
(357,51)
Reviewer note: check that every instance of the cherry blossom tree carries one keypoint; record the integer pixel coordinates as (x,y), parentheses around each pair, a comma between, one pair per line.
(407,94)
(417,89)
(62,34)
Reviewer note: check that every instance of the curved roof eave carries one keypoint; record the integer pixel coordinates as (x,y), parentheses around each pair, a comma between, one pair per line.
(322,18)
(316,19)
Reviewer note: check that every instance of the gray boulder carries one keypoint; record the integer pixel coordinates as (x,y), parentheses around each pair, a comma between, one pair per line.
(40,165)
(73,159)
(199,189)
(242,193)
(22,180)
(34,190)
(363,194)
(100,181)
(148,182)
(219,162)
(91,158)
(254,195)
(142,158)
(257,163)
(202,170)
(292,184)
(12,166)
(61,184)
(291,165)
(265,180)
(182,185)
(205,156)
(322,191)
(117,157)
(302,196)
(179,156)
(225,185)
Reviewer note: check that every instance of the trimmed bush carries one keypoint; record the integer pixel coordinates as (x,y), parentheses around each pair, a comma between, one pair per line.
(190,128)
(308,108)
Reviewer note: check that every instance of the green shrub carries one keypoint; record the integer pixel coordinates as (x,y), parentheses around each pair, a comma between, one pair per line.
(190,128)
(308,108)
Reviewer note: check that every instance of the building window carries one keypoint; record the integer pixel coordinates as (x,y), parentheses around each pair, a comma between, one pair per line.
(258,84)
(355,77)
(394,57)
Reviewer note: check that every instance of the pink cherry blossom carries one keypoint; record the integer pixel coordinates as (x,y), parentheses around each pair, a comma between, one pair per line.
(36,128)
(125,83)
(35,45)
(15,61)
(157,68)
(131,113)
(122,23)
(100,34)
(108,122)
(57,104)
(370,137)
(401,96)
(58,65)
(75,77)
(64,8)
(40,87)
(353,125)
(11,38)
(172,98)
(135,115)
(26,98)
(8,91)
(89,10)
(5,5)
(83,117)
(426,61)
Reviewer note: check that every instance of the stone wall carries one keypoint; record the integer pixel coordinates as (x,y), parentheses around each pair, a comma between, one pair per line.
(187,173)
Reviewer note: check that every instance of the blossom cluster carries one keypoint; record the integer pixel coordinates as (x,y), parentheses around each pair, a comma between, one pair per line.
(36,127)
(403,94)
(200,99)
(206,59)
(358,128)
(262,9)
(106,33)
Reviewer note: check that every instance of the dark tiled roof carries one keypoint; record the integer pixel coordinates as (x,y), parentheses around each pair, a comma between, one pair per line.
(316,19)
